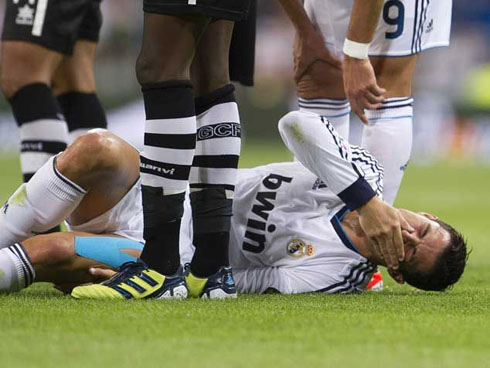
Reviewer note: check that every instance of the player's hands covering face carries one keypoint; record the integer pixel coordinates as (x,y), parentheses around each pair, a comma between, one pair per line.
(361,87)
(383,225)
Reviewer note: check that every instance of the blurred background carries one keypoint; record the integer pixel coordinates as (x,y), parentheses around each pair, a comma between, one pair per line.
(452,85)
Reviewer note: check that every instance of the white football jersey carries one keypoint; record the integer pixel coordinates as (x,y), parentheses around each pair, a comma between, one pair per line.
(286,232)
(406,27)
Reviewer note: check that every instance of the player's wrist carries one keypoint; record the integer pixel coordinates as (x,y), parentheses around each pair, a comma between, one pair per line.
(356,50)
(373,202)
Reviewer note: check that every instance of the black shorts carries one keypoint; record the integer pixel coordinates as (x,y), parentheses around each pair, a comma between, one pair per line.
(54,24)
(242,48)
(219,9)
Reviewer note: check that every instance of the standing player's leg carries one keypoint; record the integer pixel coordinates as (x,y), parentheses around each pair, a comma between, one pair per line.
(74,81)
(74,85)
(320,90)
(163,70)
(388,136)
(213,173)
(26,72)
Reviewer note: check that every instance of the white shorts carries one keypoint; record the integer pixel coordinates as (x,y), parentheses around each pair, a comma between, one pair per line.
(124,219)
(406,27)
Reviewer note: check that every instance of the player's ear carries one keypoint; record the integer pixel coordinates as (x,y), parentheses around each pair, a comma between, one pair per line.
(397,276)
(429,216)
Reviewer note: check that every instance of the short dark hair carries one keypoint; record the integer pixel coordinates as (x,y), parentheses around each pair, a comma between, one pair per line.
(448,268)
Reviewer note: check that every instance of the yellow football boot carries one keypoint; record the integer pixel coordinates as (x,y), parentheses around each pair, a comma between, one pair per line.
(136,281)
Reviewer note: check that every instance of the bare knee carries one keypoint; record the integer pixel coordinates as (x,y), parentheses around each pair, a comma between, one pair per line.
(90,155)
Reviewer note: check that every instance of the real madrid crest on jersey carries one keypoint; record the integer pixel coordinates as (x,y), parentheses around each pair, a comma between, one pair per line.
(297,248)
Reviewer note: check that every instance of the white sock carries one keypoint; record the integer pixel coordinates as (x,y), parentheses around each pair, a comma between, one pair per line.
(42,203)
(16,269)
(40,140)
(336,111)
(389,138)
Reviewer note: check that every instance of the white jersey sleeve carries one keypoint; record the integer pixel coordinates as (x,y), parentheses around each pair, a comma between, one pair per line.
(317,145)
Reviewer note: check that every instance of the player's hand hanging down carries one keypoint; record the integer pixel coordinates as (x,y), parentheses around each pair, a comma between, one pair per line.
(361,87)
(360,84)
(383,225)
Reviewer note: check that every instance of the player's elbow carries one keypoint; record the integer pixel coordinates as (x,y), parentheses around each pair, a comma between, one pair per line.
(291,128)
(288,122)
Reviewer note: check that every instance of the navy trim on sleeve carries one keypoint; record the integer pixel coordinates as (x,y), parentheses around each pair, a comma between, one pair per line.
(357,194)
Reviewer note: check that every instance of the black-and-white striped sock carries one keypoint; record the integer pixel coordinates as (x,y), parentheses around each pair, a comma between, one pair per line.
(213,178)
(170,140)
(15,265)
(82,111)
(43,132)
(336,111)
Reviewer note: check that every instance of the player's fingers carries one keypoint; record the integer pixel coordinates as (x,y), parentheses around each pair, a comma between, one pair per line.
(371,106)
(358,109)
(410,237)
(101,273)
(398,243)
(376,248)
(377,90)
(363,117)
(405,225)
(372,98)
(390,254)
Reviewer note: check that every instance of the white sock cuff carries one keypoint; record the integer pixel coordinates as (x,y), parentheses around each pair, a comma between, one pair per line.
(48,177)
(392,108)
(330,108)
(23,274)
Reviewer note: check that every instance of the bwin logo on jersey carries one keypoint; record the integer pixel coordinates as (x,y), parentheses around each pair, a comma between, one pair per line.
(264,204)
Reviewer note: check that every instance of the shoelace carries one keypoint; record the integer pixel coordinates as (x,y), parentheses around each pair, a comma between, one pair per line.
(126,271)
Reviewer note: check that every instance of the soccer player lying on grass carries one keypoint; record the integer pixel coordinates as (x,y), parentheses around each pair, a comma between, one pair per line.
(290,231)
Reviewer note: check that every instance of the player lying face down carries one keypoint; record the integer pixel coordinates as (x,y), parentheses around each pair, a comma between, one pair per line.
(92,184)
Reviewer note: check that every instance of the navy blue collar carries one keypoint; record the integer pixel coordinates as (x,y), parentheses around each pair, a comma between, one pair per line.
(339,229)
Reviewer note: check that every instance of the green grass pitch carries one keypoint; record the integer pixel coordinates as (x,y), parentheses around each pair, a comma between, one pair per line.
(399,327)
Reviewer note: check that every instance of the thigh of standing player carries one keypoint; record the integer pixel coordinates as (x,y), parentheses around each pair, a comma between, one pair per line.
(38,41)
(405,28)
(38,35)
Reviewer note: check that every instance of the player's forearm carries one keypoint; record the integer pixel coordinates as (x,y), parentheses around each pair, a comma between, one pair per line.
(364,20)
(297,14)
